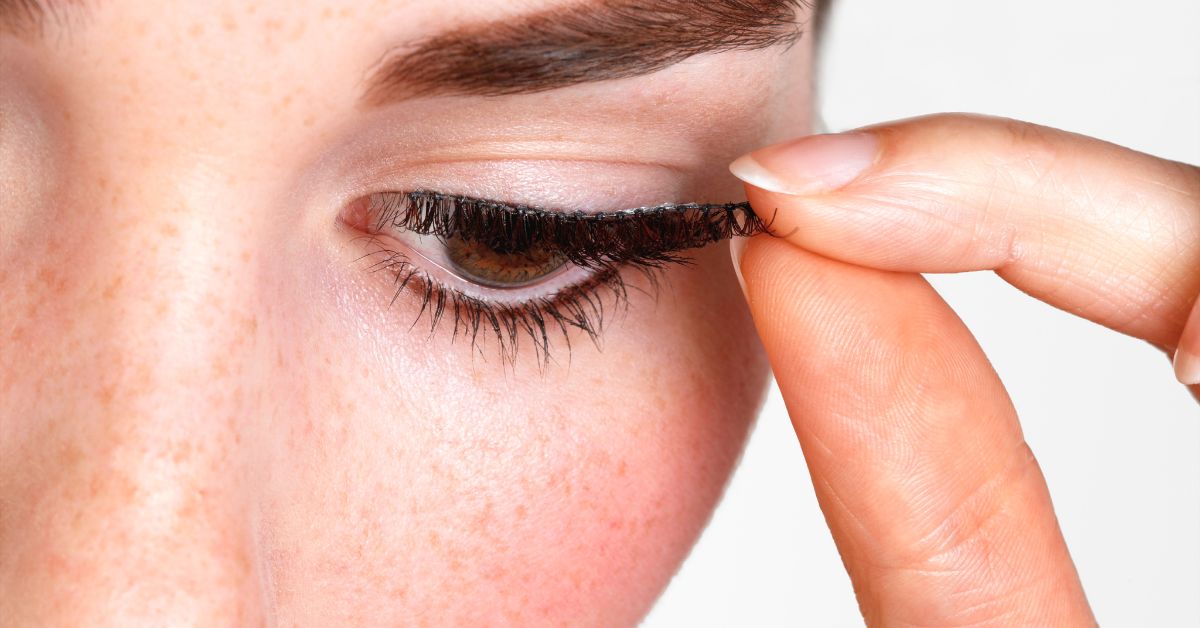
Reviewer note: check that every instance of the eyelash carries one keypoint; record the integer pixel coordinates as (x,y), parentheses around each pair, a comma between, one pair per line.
(646,239)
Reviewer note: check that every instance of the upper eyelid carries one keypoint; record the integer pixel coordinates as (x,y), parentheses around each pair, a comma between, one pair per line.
(532,210)
(649,236)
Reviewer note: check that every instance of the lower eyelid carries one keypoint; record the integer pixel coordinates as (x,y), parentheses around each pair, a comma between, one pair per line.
(542,321)
(591,287)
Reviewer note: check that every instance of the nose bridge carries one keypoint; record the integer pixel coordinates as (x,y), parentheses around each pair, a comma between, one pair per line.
(164,295)
(126,497)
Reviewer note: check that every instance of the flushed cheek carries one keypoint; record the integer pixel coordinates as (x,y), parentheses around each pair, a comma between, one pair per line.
(535,518)
(466,495)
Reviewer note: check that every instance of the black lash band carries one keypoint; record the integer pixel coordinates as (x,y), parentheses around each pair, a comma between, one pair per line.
(646,236)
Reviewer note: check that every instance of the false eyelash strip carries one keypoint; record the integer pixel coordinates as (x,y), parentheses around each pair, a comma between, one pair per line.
(645,236)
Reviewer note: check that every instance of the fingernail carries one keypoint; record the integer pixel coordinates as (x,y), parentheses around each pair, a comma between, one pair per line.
(737,247)
(1187,362)
(809,165)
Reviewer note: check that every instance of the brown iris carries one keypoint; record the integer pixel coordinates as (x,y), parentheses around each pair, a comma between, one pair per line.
(487,265)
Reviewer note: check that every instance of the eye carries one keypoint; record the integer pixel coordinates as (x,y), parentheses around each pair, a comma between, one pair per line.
(521,271)
(494,274)
(498,265)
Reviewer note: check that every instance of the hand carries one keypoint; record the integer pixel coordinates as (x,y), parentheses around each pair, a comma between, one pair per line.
(937,505)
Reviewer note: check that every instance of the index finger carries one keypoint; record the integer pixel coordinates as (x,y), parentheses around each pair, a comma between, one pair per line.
(1095,229)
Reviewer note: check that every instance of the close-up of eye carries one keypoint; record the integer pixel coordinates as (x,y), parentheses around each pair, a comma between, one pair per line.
(526,273)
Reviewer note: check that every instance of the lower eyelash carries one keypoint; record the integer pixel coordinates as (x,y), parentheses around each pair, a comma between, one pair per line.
(645,240)
(582,307)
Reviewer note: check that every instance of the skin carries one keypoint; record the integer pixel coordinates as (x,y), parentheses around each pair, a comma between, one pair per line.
(936,502)
(211,415)
(210,411)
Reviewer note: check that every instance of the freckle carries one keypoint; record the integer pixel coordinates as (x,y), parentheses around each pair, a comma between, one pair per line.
(106,395)
(213,121)
(50,279)
(220,368)
(196,30)
(71,455)
(245,256)
(111,289)
(326,13)
(309,120)
(169,229)
(228,22)
(182,453)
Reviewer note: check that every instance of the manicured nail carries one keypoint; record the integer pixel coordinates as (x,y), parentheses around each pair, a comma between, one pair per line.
(1187,361)
(737,247)
(810,165)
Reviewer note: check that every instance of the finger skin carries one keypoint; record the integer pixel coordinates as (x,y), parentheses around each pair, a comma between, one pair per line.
(1187,354)
(938,508)
(1101,231)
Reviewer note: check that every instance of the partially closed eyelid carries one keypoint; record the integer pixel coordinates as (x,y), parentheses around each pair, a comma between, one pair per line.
(644,236)
(645,239)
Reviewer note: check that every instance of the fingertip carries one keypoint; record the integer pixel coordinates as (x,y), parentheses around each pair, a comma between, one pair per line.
(815,164)
(1187,354)
(737,249)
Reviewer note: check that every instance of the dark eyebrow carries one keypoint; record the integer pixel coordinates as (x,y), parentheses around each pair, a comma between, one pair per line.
(30,17)
(595,40)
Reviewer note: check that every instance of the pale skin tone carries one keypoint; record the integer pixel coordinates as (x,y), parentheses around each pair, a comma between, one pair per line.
(936,503)
(210,413)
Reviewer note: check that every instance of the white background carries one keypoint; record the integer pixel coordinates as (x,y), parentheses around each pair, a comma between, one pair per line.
(1118,439)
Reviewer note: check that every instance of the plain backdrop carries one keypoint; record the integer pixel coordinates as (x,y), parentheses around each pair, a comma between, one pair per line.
(1118,439)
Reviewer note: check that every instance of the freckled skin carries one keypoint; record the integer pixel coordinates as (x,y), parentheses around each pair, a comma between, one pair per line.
(209,413)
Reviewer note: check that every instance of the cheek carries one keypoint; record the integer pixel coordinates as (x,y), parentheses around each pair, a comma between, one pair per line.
(408,481)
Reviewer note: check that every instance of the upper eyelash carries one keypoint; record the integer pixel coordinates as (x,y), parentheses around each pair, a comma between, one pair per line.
(645,236)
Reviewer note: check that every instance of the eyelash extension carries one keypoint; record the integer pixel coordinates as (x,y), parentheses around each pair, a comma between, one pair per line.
(646,239)
(645,236)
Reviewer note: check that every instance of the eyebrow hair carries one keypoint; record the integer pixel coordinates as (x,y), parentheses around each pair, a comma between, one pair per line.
(596,40)
(26,17)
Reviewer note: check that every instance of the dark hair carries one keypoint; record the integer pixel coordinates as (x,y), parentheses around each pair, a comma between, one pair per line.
(821,16)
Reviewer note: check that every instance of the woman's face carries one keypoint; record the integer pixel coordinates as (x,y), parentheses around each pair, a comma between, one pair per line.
(215,406)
